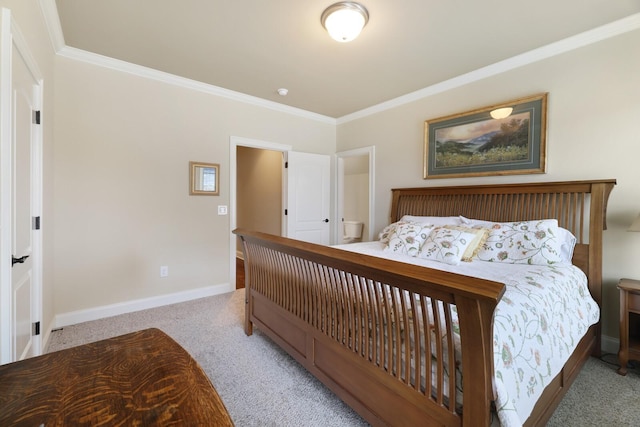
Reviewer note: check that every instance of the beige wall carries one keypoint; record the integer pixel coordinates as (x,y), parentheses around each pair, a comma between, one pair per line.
(29,18)
(593,113)
(122,207)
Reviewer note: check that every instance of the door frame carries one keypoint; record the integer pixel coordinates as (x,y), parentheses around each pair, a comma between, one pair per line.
(370,152)
(234,143)
(10,36)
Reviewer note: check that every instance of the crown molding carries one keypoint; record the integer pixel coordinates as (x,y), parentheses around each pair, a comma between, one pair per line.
(152,74)
(52,19)
(615,28)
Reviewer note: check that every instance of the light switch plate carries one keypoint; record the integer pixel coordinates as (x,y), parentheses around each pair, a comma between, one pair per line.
(222,210)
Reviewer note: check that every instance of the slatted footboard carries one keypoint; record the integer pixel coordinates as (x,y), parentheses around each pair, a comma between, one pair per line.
(379,333)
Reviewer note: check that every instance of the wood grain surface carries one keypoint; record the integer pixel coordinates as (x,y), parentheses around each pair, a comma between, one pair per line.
(140,379)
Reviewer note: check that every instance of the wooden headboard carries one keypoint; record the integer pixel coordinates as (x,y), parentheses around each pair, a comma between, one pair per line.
(579,206)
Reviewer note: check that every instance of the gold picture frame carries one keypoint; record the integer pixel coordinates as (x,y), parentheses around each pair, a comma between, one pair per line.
(204,179)
(475,143)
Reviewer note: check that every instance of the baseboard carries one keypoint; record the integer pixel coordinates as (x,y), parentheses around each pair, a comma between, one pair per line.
(74,317)
(610,344)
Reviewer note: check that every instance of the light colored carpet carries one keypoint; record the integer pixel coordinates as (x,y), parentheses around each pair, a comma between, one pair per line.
(263,386)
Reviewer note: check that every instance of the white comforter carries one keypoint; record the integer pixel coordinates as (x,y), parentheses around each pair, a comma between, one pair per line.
(538,323)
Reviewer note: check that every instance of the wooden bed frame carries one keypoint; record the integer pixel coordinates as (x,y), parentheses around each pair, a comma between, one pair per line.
(324,306)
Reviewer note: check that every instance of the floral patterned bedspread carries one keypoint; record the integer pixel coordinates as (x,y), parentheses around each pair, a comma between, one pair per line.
(539,321)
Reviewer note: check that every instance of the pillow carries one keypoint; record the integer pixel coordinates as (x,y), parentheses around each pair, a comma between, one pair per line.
(527,242)
(407,237)
(567,245)
(481,235)
(435,220)
(386,232)
(566,238)
(446,245)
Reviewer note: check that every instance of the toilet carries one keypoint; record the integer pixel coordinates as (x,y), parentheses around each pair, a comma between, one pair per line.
(352,231)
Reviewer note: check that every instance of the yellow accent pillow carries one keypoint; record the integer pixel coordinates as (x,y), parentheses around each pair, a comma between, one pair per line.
(481,235)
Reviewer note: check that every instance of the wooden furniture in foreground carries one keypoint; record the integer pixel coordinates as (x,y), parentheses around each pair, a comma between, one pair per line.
(325,306)
(629,322)
(140,379)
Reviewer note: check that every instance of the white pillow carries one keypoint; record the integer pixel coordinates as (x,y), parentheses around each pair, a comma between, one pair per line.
(435,220)
(407,237)
(446,245)
(567,245)
(526,242)
(566,239)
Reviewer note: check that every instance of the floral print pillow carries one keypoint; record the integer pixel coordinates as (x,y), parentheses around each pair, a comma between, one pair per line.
(386,232)
(407,237)
(528,242)
(565,237)
(446,245)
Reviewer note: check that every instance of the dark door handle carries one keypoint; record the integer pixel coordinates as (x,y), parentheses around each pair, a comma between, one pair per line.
(20,260)
(326,220)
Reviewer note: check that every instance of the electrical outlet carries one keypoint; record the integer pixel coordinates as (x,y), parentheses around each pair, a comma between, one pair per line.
(222,210)
(164,271)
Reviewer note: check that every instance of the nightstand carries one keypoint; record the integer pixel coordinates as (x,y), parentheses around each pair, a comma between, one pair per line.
(629,322)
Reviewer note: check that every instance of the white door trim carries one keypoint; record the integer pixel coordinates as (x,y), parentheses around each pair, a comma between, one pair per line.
(6,45)
(234,143)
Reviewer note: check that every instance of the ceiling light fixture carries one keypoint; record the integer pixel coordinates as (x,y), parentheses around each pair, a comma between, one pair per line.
(501,113)
(344,20)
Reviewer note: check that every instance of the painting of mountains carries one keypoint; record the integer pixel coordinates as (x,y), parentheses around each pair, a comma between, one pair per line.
(483,143)
(503,139)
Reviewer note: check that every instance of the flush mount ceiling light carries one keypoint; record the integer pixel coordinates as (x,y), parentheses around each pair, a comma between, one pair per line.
(344,20)
(501,113)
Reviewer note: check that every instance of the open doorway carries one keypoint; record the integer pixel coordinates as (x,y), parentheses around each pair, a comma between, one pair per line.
(250,162)
(304,192)
(258,195)
(355,195)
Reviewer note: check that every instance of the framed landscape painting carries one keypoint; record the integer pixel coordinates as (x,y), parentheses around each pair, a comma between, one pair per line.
(504,139)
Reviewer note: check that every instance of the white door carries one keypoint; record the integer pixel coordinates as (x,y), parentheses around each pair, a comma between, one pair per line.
(308,197)
(21,203)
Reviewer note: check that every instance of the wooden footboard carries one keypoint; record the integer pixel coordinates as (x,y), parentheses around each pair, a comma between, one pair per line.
(361,324)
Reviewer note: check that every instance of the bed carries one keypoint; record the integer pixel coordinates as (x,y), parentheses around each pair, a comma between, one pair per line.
(407,344)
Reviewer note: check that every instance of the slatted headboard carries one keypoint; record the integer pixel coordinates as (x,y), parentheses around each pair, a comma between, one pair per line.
(575,204)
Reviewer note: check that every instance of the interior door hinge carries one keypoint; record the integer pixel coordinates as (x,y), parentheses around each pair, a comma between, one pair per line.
(36,117)
(286,212)
(36,223)
(286,165)
(36,328)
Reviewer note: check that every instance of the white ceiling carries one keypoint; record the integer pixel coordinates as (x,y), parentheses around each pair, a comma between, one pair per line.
(257,46)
